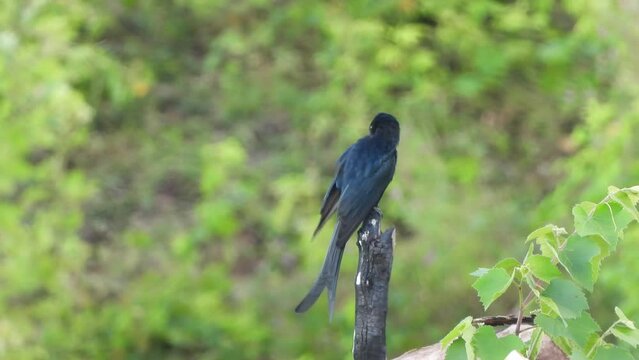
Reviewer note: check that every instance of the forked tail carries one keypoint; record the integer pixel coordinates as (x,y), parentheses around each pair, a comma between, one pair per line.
(327,278)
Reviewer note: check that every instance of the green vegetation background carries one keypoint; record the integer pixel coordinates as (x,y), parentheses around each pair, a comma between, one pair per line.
(162,163)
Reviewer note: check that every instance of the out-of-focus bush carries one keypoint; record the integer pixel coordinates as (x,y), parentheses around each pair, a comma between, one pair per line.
(44,118)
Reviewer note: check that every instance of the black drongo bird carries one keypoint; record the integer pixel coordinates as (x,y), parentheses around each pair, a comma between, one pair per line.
(363,172)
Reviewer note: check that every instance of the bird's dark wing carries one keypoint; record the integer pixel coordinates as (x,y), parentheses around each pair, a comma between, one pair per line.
(328,206)
(365,188)
(332,196)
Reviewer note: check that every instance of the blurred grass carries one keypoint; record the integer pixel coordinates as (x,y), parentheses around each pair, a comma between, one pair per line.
(162,164)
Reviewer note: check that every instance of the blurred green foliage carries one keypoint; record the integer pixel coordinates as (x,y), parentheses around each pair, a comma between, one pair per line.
(162,163)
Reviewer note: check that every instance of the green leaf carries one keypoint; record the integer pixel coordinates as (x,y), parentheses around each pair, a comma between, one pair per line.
(605,250)
(606,220)
(621,216)
(631,195)
(548,306)
(630,336)
(612,190)
(508,264)
(541,232)
(456,332)
(624,319)
(611,352)
(542,267)
(570,300)
(548,239)
(578,257)
(468,335)
(545,231)
(492,285)
(534,287)
(578,354)
(489,347)
(583,330)
(553,327)
(593,219)
(627,200)
(479,272)
(456,351)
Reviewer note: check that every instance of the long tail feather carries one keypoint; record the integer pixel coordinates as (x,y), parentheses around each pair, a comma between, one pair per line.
(327,277)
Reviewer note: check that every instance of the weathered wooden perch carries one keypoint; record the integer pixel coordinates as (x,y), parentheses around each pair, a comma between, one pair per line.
(371,288)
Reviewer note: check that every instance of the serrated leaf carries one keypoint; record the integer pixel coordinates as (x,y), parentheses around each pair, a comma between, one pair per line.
(593,219)
(489,347)
(549,307)
(624,319)
(542,231)
(613,190)
(578,258)
(627,200)
(468,335)
(605,250)
(456,332)
(553,327)
(583,329)
(630,336)
(570,300)
(548,248)
(621,216)
(632,195)
(547,237)
(456,351)
(492,285)
(587,207)
(508,264)
(606,220)
(547,230)
(542,267)
(611,352)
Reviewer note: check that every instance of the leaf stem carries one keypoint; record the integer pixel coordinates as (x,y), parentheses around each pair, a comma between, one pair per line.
(521,310)
(534,342)
(601,338)
(527,300)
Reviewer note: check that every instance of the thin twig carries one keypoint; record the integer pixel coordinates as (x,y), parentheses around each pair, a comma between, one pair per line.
(521,311)
(501,320)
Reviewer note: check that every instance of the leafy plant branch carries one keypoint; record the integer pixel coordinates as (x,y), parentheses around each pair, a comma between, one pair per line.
(556,271)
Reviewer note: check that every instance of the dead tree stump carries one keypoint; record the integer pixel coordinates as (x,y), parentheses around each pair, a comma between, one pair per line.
(371,288)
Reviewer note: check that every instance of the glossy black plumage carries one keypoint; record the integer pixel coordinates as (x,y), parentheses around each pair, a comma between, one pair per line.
(363,172)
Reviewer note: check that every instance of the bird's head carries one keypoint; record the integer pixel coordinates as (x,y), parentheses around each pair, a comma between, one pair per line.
(385,125)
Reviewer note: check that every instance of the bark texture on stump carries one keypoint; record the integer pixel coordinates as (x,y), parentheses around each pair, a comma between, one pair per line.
(371,288)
